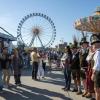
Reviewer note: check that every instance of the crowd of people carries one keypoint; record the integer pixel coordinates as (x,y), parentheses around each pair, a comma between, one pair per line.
(9,63)
(79,63)
(83,63)
(16,61)
(39,60)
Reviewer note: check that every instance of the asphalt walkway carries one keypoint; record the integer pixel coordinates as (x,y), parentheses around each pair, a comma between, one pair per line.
(46,89)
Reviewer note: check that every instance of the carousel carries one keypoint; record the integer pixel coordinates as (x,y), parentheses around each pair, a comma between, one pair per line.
(89,24)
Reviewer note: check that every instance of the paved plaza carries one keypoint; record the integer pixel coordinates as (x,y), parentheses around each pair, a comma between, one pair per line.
(46,89)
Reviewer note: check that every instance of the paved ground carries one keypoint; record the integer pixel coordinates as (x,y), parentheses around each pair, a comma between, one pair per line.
(47,89)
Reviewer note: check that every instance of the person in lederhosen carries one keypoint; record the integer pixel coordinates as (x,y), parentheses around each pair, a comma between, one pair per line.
(83,63)
(89,82)
(75,68)
(95,42)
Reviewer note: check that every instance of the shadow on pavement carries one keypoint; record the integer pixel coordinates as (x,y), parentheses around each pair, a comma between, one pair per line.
(30,93)
(56,79)
(52,81)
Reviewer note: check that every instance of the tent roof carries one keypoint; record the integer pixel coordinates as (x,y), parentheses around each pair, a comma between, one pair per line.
(7,37)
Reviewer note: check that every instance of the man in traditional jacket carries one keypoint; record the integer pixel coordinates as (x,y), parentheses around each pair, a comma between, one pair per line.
(83,63)
(75,68)
(95,42)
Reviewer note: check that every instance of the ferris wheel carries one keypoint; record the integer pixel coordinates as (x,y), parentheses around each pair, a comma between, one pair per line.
(36,30)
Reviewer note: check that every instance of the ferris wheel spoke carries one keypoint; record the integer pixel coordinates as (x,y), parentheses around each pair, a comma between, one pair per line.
(32,41)
(47,37)
(40,41)
(26,28)
(47,32)
(46,27)
(27,35)
(45,40)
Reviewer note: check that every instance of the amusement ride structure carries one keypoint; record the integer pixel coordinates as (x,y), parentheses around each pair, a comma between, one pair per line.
(36,30)
(90,24)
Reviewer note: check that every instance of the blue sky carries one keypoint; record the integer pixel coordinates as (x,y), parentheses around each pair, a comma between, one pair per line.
(62,12)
